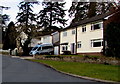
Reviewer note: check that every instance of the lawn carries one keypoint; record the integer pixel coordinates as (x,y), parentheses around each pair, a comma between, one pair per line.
(100,71)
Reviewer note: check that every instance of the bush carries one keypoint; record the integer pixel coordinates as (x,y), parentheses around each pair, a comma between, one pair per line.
(112,36)
(66,53)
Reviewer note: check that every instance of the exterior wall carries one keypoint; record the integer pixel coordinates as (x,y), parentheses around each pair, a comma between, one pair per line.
(55,37)
(56,42)
(34,42)
(70,38)
(46,39)
(86,37)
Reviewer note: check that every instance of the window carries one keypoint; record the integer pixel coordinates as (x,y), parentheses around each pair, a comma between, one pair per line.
(46,47)
(73,31)
(65,33)
(34,48)
(44,37)
(64,47)
(96,26)
(79,44)
(83,28)
(39,49)
(97,43)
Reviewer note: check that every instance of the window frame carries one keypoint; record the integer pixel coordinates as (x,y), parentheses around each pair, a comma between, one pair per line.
(79,45)
(93,41)
(94,24)
(64,33)
(83,28)
(73,31)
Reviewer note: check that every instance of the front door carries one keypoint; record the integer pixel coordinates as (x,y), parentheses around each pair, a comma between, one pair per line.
(73,48)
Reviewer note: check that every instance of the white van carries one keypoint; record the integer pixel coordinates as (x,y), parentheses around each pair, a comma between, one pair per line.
(45,48)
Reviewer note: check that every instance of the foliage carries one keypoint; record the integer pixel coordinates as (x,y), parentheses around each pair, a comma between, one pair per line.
(92,9)
(85,10)
(5,18)
(105,72)
(26,18)
(78,9)
(10,37)
(51,14)
(112,34)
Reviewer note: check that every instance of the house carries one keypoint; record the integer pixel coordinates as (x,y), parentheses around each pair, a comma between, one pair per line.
(84,37)
(68,40)
(34,42)
(48,38)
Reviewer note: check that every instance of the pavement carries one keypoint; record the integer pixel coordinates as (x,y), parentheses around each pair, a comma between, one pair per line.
(19,70)
(24,57)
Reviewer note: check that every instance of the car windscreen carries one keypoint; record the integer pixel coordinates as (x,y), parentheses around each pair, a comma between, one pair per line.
(34,48)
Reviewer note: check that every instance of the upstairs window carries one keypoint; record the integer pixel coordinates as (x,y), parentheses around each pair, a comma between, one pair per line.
(65,33)
(97,43)
(73,31)
(83,28)
(96,26)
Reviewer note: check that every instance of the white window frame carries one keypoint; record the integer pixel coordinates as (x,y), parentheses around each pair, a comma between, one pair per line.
(96,40)
(73,31)
(98,23)
(84,28)
(65,47)
(65,33)
(79,45)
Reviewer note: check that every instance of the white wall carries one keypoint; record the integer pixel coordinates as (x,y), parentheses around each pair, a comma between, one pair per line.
(46,39)
(34,42)
(70,38)
(86,37)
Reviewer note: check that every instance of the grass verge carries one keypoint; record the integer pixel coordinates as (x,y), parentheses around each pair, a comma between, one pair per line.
(100,71)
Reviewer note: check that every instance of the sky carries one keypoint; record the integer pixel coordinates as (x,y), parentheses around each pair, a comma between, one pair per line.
(13,4)
(13,10)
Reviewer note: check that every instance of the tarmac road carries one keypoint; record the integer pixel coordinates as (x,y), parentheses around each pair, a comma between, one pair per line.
(19,70)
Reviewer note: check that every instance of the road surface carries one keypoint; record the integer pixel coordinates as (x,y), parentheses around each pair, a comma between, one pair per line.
(19,70)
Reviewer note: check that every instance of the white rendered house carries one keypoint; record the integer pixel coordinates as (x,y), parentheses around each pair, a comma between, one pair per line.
(84,37)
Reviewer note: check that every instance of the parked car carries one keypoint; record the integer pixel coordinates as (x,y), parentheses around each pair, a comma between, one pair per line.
(45,48)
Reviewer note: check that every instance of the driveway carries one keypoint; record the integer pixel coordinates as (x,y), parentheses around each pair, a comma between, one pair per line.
(19,70)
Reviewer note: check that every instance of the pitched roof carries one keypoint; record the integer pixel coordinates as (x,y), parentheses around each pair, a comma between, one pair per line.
(88,20)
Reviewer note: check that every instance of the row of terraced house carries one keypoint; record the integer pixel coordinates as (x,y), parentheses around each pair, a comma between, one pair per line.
(84,37)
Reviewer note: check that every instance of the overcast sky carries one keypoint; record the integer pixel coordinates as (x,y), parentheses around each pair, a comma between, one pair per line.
(13,4)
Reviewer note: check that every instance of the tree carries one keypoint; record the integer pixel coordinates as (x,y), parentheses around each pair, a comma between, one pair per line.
(92,9)
(10,37)
(112,34)
(103,7)
(4,18)
(83,10)
(51,14)
(78,9)
(26,18)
